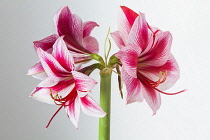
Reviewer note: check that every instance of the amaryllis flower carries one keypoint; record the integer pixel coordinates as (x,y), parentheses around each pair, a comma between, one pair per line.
(64,86)
(76,34)
(148,67)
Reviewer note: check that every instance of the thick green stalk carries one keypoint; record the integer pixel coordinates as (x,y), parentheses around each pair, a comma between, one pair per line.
(105,103)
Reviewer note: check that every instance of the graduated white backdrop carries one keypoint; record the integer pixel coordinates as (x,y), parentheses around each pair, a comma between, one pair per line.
(182,117)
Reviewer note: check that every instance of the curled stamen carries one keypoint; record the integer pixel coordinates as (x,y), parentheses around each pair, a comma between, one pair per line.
(53,116)
(62,102)
(170,93)
(155,84)
(162,78)
(58,99)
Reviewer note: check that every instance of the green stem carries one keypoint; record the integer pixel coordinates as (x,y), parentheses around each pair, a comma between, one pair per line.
(105,103)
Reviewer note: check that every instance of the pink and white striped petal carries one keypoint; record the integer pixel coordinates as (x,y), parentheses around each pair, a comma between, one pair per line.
(63,88)
(83,82)
(88,26)
(48,82)
(51,66)
(140,35)
(42,95)
(129,58)
(152,97)
(62,54)
(160,52)
(124,26)
(37,71)
(133,87)
(91,44)
(73,111)
(118,40)
(40,76)
(130,14)
(90,107)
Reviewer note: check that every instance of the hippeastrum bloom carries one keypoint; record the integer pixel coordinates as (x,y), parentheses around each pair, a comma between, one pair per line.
(64,86)
(148,67)
(76,36)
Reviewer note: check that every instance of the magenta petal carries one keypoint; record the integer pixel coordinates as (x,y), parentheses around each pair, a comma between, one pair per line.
(83,82)
(140,35)
(77,28)
(43,95)
(152,97)
(37,71)
(88,26)
(51,66)
(90,107)
(73,111)
(91,44)
(63,88)
(130,14)
(118,40)
(63,20)
(62,54)
(133,87)
(129,58)
(71,26)
(46,43)
(160,52)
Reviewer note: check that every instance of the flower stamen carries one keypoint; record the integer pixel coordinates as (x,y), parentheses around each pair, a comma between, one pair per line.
(161,79)
(58,100)
(53,116)
(170,93)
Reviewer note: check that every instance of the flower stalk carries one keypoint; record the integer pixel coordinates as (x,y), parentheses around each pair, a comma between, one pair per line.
(105,103)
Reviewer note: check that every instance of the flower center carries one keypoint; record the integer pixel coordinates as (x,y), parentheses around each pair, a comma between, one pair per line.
(161,79)
(58,100)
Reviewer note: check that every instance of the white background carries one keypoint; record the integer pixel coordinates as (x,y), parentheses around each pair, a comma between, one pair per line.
(182,117)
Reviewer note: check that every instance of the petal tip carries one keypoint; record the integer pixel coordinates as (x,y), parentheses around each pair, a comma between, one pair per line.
(123,7)
(154,113)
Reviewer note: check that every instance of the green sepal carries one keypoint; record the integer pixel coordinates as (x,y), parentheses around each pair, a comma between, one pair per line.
(99,59)
(113,61)
(89,69)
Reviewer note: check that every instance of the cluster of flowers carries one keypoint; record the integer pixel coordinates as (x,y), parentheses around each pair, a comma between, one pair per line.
(144,61)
